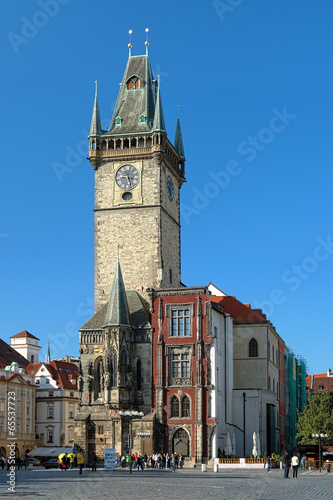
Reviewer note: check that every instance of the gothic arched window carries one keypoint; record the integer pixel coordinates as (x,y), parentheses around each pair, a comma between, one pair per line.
(185,407)
(253,348)
(174,406)
(138,375)
(123,367)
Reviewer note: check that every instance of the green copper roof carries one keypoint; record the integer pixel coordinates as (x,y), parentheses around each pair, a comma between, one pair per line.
(95,127)
(159,123)
(179,147)
(117,309)
(132,103)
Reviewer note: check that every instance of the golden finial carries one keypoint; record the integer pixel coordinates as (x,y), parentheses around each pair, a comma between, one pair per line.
(146,42)
(178,109)
(130,43)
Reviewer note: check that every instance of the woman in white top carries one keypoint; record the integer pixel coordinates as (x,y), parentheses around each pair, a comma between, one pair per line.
(294,464)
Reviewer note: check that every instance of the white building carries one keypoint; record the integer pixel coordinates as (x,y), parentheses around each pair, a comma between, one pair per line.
(57,401)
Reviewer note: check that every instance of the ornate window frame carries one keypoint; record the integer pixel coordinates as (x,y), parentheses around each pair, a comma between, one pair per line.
(169,308)
(179,349)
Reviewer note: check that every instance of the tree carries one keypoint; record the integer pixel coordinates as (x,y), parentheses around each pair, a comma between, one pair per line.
(316,418)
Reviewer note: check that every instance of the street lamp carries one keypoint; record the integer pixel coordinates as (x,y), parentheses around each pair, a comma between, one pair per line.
(319,436)
(129,415)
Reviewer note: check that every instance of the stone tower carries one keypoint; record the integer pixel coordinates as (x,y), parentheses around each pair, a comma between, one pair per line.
(138,175)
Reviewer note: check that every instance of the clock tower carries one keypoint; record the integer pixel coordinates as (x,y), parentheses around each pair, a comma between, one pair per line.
(138,176)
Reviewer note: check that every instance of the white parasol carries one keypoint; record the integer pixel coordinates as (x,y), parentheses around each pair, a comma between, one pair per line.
(254,449)
(228,445)
(233,444)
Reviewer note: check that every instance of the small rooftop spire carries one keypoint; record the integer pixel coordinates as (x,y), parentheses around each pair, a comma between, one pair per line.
(146,42)
(95,126)
(159,123)
(178,145)
(130,43)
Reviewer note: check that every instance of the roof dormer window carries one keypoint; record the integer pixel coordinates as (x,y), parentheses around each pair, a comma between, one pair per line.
(118,120)
(142,118)
(134,83)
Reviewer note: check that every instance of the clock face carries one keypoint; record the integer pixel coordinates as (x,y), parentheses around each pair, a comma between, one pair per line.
(170,188)
(127,177)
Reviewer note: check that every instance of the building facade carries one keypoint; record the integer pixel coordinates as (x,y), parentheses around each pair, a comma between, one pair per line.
(17,396)
(57,401)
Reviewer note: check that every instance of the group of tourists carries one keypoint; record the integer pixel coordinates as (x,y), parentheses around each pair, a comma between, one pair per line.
(70,460)
(19,462)
(153,461)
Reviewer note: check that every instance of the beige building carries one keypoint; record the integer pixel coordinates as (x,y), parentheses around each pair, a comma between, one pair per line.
(17,395)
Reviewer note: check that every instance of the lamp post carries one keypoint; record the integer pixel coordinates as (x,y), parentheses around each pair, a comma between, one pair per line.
(129,415)
(319,436)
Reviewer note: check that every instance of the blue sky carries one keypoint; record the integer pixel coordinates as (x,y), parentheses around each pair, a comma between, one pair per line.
(253,81)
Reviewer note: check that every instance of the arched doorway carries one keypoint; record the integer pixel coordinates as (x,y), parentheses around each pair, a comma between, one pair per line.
(180,442)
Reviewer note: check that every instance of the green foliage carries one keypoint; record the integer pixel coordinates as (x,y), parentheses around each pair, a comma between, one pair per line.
(316,418)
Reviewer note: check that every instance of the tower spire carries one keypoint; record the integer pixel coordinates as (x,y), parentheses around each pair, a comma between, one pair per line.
(95,126)
(179,147)
(117,310)
(159,123)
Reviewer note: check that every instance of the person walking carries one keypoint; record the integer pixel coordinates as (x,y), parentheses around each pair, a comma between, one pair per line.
(268,463)
(173,462)
(286,464)
(80,461)
(94,462)
(294,464)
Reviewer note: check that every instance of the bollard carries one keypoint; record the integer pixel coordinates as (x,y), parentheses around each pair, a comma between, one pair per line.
(216,467)
(203,467)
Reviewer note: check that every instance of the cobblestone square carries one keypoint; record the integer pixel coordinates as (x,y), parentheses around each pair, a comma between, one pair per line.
(151,484)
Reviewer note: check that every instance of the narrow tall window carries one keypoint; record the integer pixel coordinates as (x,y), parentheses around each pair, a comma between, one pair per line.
(138,376)
(185,407)
(253,348)
(174,406)
(123,367)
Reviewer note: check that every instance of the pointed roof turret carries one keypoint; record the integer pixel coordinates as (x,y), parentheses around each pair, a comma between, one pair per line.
(117,309)
(159,123)
(95,127)
(179,147)
(135,107)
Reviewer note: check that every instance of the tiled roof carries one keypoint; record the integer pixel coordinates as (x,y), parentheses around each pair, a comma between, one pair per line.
(61,371)
(133,103)
(8,355)
(239,311)
(139,316)
(24,334)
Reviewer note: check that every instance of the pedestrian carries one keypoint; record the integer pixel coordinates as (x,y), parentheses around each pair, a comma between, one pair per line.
(286,464)
(294,464)
(268,463)
(173,462)
(80,461)
(303,461)
(94,462)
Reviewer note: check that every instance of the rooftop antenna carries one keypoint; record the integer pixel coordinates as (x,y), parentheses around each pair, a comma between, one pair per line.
(96,82)
(130,43)
(146,42)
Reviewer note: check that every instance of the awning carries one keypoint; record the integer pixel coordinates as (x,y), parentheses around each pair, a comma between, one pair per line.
(43,451)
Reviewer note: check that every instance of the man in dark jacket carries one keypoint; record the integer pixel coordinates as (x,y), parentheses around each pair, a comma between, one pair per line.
(286,464)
